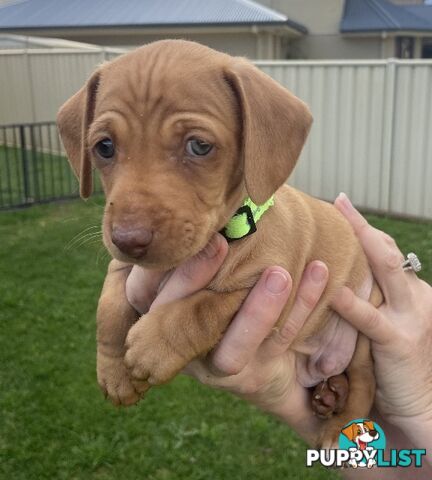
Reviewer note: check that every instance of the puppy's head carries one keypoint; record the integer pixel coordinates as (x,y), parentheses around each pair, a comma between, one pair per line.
(180,135)
(361,433)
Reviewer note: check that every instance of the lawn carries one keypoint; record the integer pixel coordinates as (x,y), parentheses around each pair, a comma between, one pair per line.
(54,422)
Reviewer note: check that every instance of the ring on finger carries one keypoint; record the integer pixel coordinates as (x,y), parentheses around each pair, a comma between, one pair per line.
(412,262)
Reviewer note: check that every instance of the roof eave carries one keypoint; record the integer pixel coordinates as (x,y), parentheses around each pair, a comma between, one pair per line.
(384,30)
(292,25)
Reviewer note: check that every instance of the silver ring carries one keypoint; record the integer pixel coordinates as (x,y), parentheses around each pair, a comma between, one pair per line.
(412,263)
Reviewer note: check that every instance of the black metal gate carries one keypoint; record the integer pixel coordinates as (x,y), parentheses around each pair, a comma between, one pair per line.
(33,166)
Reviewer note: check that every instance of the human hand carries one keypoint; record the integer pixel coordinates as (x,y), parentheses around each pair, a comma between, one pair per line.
(252,360)
(400,330)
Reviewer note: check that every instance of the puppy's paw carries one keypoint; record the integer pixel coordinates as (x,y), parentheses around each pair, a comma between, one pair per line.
(151,356)
(116,383)
(330,396)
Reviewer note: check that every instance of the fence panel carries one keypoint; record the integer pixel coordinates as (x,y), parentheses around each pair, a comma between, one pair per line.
(56,77)
(371,135)
(35,82)
(15,92)
(411,177)
(34,167)
(346,142)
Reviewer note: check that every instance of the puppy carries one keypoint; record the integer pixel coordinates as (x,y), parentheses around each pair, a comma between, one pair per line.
(362,433)
(181,136)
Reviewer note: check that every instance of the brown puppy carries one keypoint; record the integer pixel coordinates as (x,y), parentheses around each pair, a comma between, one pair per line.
(181,135)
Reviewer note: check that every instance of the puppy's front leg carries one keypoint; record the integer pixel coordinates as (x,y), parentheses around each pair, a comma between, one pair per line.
(167,338)
(114,318)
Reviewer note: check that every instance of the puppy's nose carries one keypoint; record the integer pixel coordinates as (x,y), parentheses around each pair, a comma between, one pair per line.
(373,433)
(131,241)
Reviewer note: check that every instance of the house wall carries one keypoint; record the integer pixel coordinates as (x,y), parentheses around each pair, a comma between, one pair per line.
(335,47)
(261,45)
(234,43)
(254,43)
(322,18)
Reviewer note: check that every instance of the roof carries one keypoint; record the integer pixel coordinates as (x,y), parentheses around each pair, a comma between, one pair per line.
(59,14)
(423,11)
(382,15)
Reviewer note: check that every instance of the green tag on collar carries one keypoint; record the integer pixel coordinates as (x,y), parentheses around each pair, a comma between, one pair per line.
(243,222)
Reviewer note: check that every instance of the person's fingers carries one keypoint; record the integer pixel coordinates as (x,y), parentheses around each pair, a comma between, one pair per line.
(199,369)
(253,322)
(311,287)
(363,316)
(141,287)
(195,273)
(384,256)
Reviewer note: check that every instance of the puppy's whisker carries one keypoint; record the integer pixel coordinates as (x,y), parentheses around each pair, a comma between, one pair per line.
(101,255)
(93,241)
(88,239)
(80,240)
(91,227)
(79,234)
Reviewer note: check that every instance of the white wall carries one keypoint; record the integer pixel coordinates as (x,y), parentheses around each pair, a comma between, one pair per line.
(244,44)
(321,17)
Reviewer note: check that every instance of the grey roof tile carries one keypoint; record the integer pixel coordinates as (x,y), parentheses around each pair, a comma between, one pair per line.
(382,15)
(30,14)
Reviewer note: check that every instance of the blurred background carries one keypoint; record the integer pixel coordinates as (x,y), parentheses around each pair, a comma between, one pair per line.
(365,69)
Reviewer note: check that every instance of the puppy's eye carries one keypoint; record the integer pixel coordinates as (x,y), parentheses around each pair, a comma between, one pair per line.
(198,148)
(105,148)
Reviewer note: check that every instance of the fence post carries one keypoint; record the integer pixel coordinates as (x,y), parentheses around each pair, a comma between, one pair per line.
(31,85)
(389,118)
(24,162)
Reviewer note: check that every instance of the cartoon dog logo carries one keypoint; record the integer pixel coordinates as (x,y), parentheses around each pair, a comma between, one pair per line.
(362,433)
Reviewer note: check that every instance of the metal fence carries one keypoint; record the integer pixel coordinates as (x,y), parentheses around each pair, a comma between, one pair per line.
(35,82)
(33,166)
(371,137)
(372,134)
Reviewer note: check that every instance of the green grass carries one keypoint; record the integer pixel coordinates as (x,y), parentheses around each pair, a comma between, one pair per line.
(54,422)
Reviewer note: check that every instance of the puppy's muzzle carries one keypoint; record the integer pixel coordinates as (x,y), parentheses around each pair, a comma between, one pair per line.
(131,241)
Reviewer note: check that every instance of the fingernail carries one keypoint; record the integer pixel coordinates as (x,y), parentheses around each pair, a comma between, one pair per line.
(276,282)
(345,202)
(212,248)
(318,273)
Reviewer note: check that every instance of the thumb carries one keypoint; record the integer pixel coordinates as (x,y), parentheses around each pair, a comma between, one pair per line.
(195,273)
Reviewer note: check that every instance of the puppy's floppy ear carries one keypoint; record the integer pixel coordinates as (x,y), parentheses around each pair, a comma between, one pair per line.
(350,431)
(73,120)
(275,124)
(369,424)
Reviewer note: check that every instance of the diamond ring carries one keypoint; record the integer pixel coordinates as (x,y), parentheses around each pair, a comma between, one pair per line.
(412,263)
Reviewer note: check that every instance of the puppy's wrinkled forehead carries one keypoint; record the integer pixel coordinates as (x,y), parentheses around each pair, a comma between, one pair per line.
(165,78)
(150,101)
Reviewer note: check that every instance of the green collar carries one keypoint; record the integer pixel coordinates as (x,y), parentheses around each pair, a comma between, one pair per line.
(243,222)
